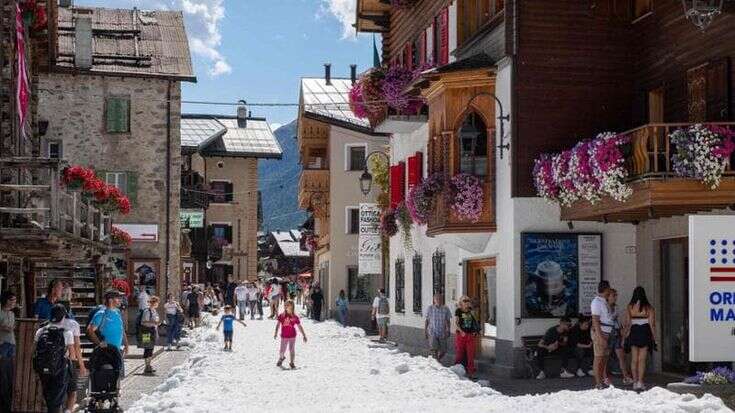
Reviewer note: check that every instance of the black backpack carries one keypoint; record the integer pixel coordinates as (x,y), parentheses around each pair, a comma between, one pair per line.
(49,357)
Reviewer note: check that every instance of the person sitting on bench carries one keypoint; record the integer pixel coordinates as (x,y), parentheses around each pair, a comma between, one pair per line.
(580,342)
(555,341)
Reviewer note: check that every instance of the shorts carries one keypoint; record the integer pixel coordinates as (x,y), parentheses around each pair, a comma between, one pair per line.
(72,377)
(601,348)
(439,344)
(228,335)
(382,321)
(147,353)
(194,312)
(615,341)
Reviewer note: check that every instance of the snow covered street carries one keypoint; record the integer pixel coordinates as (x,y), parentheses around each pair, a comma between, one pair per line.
(341,370)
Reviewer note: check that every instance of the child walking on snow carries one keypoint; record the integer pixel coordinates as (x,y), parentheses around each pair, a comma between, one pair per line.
(288,320)
(229,322)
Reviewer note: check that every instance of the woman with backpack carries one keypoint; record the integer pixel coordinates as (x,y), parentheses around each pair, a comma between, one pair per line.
(54,346)
(466,336)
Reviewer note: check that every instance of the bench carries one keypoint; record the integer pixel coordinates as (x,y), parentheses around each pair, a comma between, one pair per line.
(530,344)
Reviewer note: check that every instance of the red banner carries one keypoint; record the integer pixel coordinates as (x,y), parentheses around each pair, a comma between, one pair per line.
(23,92)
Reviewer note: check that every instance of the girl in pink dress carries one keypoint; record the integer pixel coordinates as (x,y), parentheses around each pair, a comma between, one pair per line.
(288,321)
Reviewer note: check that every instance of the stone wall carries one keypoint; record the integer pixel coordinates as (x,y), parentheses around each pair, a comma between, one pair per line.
(74,105)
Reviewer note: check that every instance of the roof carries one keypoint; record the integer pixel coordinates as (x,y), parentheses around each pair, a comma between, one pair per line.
(289,243)
(129,42)
(331,102)
(478,61)
(226,136)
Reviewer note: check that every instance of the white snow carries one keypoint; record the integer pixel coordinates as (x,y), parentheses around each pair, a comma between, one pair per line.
(340,370)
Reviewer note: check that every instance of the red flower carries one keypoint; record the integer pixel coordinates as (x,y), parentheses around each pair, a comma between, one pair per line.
(123,205)
(120,237)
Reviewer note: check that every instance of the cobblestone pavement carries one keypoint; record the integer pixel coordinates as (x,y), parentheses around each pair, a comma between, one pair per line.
(135,383)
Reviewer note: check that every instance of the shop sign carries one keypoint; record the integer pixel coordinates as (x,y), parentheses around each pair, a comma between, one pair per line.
(560,273)
(711,288)
(192,218)
(140,232)
(370,253)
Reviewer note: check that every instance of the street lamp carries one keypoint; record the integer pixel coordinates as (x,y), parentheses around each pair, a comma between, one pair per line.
(702,12)
(366,179)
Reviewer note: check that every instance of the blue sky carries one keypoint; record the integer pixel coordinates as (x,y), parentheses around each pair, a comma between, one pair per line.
(258,49)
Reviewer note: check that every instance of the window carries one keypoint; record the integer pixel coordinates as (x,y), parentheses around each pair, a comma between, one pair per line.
(359,288)
(437,272)
(54,150)
(353,220)
(221,192)
(400,284)
(473,146)
(117,179)
(222,233)
(416,51)
(356,158)
(417,284)
(642,8)
(117,114)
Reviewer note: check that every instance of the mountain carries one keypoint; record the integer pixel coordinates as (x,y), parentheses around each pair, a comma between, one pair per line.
(279,184)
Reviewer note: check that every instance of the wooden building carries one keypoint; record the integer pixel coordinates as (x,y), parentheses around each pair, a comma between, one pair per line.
(516,79)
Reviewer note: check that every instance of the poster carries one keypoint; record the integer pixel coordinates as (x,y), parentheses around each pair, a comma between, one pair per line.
(369,254)
(711,288)
(560,272)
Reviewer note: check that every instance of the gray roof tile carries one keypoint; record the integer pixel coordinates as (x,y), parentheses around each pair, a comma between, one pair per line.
(223,135)
(330,101)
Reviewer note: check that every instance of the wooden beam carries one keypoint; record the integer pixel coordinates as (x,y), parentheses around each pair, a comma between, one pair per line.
(23,211)
(24,188)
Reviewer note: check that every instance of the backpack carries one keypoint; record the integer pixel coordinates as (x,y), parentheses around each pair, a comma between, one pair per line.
(49,357)
(383,308)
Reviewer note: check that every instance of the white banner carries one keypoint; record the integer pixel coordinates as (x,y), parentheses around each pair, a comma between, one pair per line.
(370,253)
(711,288)
(589,248)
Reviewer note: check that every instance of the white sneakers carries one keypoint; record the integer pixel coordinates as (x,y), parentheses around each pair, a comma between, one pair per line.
(541,375)
(639,386)
(566,375)
(580,373)
(590,372)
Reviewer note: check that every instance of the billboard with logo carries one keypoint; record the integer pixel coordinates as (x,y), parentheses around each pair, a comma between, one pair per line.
(711,288)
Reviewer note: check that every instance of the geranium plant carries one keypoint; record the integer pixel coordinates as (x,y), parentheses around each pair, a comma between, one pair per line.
(421,198)
(543,175)
(366,95)
(467,196)
(608,165)
(120,237)
(394,85)
(389,222)
(74,177)
(702,152)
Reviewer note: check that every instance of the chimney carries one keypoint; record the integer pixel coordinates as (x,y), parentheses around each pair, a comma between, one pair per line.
(242,114)
(353,74)
(328,73)
(83,41)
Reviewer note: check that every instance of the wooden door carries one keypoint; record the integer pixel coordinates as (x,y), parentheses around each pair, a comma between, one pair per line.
(478,290)
(656,106)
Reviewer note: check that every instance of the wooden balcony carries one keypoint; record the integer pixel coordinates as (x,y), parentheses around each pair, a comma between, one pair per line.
(373,16)
(39,218)
(657,190)
(312,135)
(445,221)
(314,190)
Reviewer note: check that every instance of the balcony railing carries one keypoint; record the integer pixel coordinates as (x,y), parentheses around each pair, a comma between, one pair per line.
(44,205)
(313,188)
(443,220)
(651,149)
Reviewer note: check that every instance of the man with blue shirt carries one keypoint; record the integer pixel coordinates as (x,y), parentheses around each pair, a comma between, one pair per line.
(106,327)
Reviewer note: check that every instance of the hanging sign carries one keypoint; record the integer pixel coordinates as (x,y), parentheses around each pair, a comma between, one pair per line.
(711,288)
(370,253)
(192,218)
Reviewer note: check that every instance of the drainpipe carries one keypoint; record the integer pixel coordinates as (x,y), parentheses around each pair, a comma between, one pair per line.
(168,185)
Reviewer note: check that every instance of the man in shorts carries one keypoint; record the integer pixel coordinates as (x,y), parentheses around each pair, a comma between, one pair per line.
(381,314)
(438,327)
(602,325)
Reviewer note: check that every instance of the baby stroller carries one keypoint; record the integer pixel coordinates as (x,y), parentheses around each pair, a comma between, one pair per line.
(105,365)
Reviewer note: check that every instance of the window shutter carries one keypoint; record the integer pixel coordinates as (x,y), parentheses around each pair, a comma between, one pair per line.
(402,180)
(414,169)
(132,187)
(419,167)
(422,50)
(408,56)
(118,112)
(397,184)
(444,29)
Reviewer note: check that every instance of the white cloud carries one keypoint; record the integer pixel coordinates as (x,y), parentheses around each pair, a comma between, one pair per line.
(202,19)
(344,11)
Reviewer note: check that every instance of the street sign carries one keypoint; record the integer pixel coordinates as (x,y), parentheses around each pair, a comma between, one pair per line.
(711,288)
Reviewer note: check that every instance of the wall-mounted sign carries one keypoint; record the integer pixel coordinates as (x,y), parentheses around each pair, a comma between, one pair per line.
(191,218)
(711,288)
(560,273)
(140,232)
(370,253)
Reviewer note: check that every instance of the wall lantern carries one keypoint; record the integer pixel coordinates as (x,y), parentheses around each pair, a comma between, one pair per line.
(366,179)
(702,12)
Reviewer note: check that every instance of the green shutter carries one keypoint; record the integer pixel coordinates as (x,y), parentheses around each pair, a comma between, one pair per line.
(118,113)
(102,175)
(132,178)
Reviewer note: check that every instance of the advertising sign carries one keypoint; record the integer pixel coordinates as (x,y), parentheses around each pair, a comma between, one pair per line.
(370,253)
(560,273)
(192,218)
(711,288)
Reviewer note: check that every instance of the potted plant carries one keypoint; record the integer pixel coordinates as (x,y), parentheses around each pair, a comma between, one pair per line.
(120,237)
(702,152)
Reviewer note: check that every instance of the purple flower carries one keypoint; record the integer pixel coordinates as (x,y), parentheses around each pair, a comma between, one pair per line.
(421,197)
(468,197)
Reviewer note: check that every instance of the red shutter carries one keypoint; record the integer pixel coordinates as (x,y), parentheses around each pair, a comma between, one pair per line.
(407,56)
(422,51)
(434,47)
(397,184)
(444,47)
(415,164)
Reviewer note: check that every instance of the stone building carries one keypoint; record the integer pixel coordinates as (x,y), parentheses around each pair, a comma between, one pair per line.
(219,198)
(112,102)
